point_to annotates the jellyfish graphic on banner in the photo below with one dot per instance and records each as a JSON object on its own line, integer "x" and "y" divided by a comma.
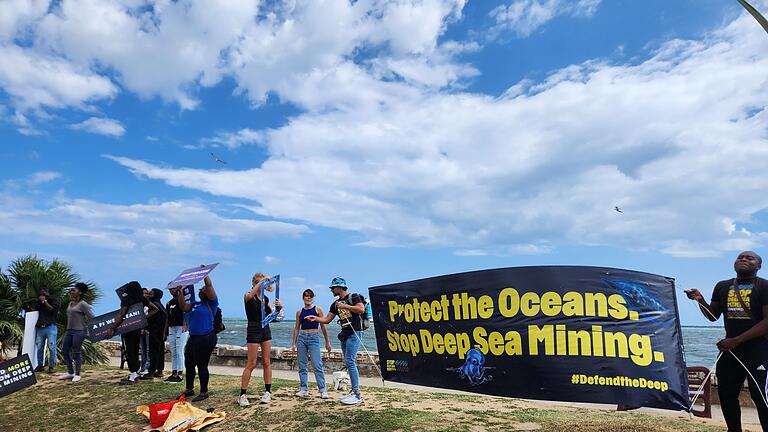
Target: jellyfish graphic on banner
{"x": 583, "y": 334}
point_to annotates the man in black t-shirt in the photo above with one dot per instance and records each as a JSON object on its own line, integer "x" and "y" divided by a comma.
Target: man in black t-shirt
{"x": 743, "y": 301}
{"x": 130, "y": 294}
{"x": 156, "y": 337}
{"x": 46, "y": 329}
{"x": 348, "y": 308}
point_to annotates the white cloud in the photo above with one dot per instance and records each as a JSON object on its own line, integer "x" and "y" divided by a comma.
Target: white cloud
{"x": 42, "y": 177}
{"x": 156, "y": 229}
{"x": 151, "y": 138}
{"x": 541, "y": 166}
{"x": 100, "y": 126}
{"x": 271, "y": 260}
{"x": 233, "y": 140}
{"x": 523, "y": 17}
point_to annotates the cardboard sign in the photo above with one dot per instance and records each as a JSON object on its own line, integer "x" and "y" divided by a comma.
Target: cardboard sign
{"x": 269, "y": 285}
{"x": 192, "y": 276}
{"x": 16, "y": 374}
{"x": 134, "y": 319}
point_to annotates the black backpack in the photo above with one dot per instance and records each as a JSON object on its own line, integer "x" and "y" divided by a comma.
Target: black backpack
{"x": 218, "y": 322}
{"x": 365, "y": 319}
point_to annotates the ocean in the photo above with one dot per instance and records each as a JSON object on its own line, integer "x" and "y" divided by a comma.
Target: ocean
{"x": 698, "y": 342}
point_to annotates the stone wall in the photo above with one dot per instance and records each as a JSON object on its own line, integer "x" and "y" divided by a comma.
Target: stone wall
{"x": 282, "y": 358}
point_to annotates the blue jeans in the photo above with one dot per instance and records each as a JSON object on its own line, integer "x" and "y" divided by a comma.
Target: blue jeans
{"x": 308, "y": 345}
{"x": 73, "y": 341}
{"x": 43, "y": 335}
{"x": 349, "y": 347}
{"x": 176, "y": 340}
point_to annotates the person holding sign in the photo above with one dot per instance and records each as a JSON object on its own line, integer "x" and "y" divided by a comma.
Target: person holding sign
{"x": 202, "y": 340}
{"x": 258, "y": 336}
{"x": 349, "y": 308}
{"x": 131, "y": 294}
{"x": 176, "y": 332}
{"x": 744, "y": 302}
{"x": 306, "y": 341}
{"x": 79, "y": 312}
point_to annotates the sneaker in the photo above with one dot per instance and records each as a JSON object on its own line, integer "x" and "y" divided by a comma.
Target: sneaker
{"x": 200, "y": 397}
{"x": 187, "y": 393}
{"x": 128, "y": 381}
{"x": 266, "y": 398}
{"x": 243, "y": 401}
{"x": 40, "y": 369}
{"x": 302, "y": 393}
{"x": 50, "y": 370}
{"x": 76, "y": 378}
{"x": 158, "y": 374}
{"x": 143, "y": 372}
{"x": 346, "y": 396}
{"x": 352, "y": 399}
{"x": 146, "y": 377}
{"x": 173, "y": 379}
{"x": 66, "y": 376}
{"x": 324, "y": 394}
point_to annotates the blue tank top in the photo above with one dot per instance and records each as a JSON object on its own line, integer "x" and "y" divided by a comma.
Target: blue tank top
{"x": 306, "y": 324}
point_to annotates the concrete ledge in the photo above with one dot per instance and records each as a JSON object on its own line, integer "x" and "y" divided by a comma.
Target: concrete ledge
{"x": 282, "y": 358}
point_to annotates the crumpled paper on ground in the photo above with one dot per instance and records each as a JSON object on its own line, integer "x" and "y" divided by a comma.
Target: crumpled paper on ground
{"x": 184, "y": 416}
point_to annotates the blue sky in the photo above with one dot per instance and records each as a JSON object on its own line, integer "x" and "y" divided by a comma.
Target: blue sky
{"x": 381, "y": 141}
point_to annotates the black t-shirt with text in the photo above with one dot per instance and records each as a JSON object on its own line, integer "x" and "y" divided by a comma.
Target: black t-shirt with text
{"x": 175, "y": 314}
{"x": 347, "y": 319}
{"x": 737, "y": 318}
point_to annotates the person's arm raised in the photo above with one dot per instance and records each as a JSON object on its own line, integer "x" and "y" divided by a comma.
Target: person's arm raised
{"x": 183, "y": 305}
{"x": 710, "y": 311}
{"x": 210, "y": 291}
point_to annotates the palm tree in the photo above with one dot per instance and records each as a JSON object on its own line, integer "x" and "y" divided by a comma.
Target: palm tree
{"x": 25, "y": 276}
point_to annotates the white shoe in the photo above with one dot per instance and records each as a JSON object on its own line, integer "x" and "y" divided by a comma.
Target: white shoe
{"x": 142, "y": 373}
{"x": 302, "y": 393}
{"x": 243, "y": 401}
{"x": 353, "y": 399}
{"x": 346, "y": 396}
{"x": 266, "y": 398}
{"x": 66, "y": 376}
{"x": 76, "y": 378}
{"x": 324, "y": 395}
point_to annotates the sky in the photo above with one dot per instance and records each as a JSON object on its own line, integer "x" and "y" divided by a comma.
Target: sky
{"x": 381, "y": 140}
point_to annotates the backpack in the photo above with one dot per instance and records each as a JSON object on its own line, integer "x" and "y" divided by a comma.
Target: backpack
{"x": 365, "y": 317}
{"x": 218, "y": 322}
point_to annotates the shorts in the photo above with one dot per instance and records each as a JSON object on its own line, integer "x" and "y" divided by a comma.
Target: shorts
{"x": 256, "y": 334}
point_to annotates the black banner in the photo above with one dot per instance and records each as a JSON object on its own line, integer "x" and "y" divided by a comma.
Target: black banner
{"x": 134, "y": 319}
{"x": 582, "y": 334}
{"x": 16, "y": 374}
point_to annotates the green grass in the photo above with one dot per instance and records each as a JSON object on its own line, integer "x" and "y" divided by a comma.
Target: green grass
{"x": 98, "y": 403}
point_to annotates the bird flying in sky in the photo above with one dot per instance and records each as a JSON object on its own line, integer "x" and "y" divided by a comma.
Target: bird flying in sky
{"x": 216, "y": 158}
{"x": 617, "y": 209}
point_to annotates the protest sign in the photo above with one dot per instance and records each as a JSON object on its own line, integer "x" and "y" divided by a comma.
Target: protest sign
{"x": 16, "y": 374}
{"x": 269, "y": 285}
{"x": 192, "y": 276}
{"x": 583, "y": 334}
{"x": 134, "y": 319}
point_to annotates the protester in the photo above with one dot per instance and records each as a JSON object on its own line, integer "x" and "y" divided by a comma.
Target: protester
{"x": 306, "y": 342}
{"x": 144, "y": 340}
{"x": 744, "y": 301}
{"x": 46, "y": 329}
{"x": 257, "y": 337}
{"x": 176, "y": 333}
{"x": 202, "y": 337}
{"x": 348, "y": 308}
{"x": 79, "y": 312}
{"x": 156, "y": 337}
{"x": 131, "y": 294}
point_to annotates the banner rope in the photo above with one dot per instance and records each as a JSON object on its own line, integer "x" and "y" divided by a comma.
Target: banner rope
{"x": 369, "y": 356}
{"x": 760, "y": 390}
{"x": 703, "y": 383}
